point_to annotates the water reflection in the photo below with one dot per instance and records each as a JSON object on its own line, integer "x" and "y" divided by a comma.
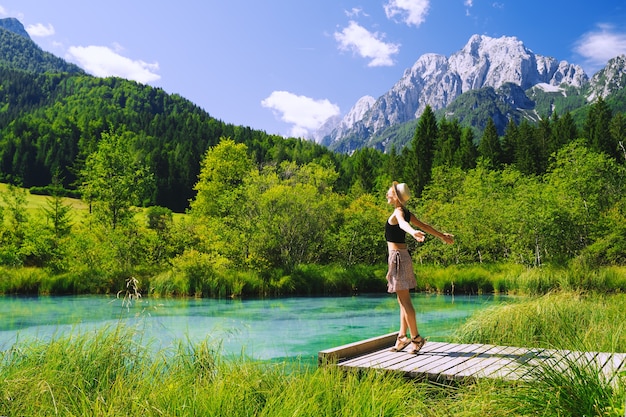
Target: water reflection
{"x": 263, "y": 329}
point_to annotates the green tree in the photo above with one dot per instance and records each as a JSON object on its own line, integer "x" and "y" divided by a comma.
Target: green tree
{"x": 467, "y": 152}
{"x": 421, "y": 152}
{"x": 221, "y": 209}
{"x": 292, "y": 220}
{"x": 57, "y": 212}
{"x": 509, "y": 142}
{"x": 220, "y": 183}
{"x": 367, "y": 162}
{"x": 359, "y": 238}
{"x": 114, "y": 180}
{"x": 528, "y": 156}
{"x": 448, "y": 143}
{"x": 564, "y": 131}
{"x": 14, "y": 225}
{"x": 489, "y": 147}
{"x": 292, "y": 226}
{"x": 586, "y": 185}
{"x": 597, "y": 128}
{"x": 618, "y": 132}
{"x": 542, "y": 144}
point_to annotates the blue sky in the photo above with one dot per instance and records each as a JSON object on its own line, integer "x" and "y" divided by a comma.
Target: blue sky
{"x": 285, "y": 66}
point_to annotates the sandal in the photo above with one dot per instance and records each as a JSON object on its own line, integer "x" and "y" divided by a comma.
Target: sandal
{"x": 401, "y": 343}
{"x": 419, "y": 342}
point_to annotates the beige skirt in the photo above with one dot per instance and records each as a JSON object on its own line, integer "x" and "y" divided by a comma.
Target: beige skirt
{"x": 400, "y": 275}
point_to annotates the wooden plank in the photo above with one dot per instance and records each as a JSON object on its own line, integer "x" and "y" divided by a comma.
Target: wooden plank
{"x": 351, "y": 350}
{"x": 501, "y": 362}
{"x": 483, "y": 360}
{"x": 385, "y": 359}
{"x": 449, "y": 361}
{"x": 478, "y": 360}
{"x": 525, "y": 368}
{"x": 379, "y": 359}
{"x": 431, "y": 352}
{"x": 395, "y": 361}
{"x": 611, "y": 363}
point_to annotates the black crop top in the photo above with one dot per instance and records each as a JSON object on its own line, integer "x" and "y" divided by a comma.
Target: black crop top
{"x": 393, "y": 232}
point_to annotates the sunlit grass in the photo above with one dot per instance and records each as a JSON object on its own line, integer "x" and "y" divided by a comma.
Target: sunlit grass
{"x": 35, "y": 203}
{"x": 113, "y": 372}
{"x": 108, "y": 373}
{"x": 515, "y": 279}
{"x": 568, "y": 320}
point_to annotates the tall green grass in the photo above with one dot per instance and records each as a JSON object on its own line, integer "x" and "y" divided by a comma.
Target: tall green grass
{"x": 108, "y": 373}
{"x": 114, "y": 372}
{"x": 196, "y": 274}
{"x": 517, "y": 279}
{"x": 567, "y": 320}
{"x": 563, "y": 320}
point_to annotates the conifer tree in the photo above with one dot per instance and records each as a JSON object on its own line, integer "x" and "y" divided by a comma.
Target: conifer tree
{"x": 489, "y": 147}
{"x": 564, "y": 131}
{"x": 527, "y": 158}
{"x": 618, "y": 131}
{"x": 543, "y": 138}
{"x": 597, "y": 131}
{"x": 394, "y": 163}
{"x": 447, "y": 144}
{"x": 467, "y": 152}
{"x": 421, "y": 152}
{"x": 509, "y": 142}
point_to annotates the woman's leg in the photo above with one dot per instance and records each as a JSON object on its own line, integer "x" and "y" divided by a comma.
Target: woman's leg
{"x": 407, "y": 313}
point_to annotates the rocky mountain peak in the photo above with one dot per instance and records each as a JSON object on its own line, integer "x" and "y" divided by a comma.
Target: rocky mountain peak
{"x": 609, "y": 79}
{"x": 436, "y": 80}
{"x": 13, "y": 25}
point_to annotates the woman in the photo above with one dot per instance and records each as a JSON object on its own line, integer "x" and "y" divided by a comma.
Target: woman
{"x": 400, "y": 277}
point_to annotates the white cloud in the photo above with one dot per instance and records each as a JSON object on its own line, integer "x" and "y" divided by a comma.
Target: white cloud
{"x": 468, "y": 5}
{"x": 3, "y": 11}
{"x": 102, "y": 61}
{"x": 40, "y": 30}
{"x": 355, "y": 12}
{"x": 304, "y": 113}
{"x": 357, "y": 39}
{"x": 412, "y": 12}
{"x": 597, "y": 47}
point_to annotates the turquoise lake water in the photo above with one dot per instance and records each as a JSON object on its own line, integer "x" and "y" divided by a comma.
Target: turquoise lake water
{"x": 266, "y": 329}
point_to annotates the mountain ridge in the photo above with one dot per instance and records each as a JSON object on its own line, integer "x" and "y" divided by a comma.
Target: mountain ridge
{"x": 18, "y": 50}
{"x": 13, "y": 25}
{"x": 437, "y": 81}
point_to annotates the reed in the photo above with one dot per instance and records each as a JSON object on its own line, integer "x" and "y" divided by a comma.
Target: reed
{"x": 581, "y": 390}
{"x": 564, "y": 320}
{"x": 517, "y": 279}
{"x": 21, "y": 280}
{"x": 108, "y": 373}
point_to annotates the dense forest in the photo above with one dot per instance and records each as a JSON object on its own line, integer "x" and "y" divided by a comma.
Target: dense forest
{"x": 194, "y": 205}
{"x": 50, "y": 123}
{"x": 266, "y": 212}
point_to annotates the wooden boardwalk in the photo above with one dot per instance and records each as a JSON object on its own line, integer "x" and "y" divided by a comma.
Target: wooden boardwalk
{"x": 441, "y": 361}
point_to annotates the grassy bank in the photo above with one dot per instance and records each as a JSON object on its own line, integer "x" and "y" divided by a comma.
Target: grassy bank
{"x": 112, "y": 372}
{"x": 561, "y": 320}
{"x": 194, "y": 275}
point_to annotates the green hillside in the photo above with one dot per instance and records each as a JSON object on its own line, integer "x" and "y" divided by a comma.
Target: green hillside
{"x": 52, "y": 116}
